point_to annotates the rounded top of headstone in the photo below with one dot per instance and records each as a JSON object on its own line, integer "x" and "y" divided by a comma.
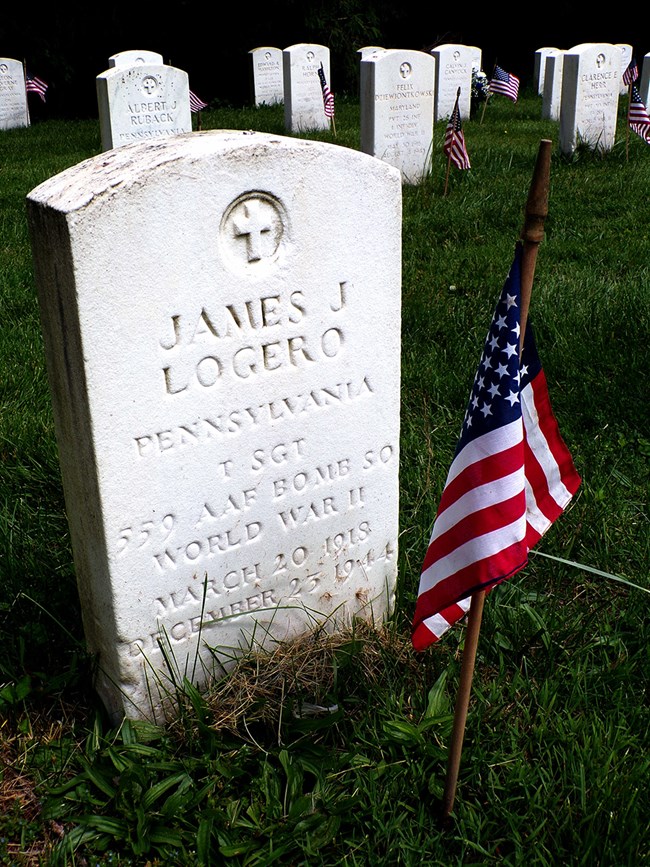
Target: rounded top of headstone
{"x": 102, "y": 176}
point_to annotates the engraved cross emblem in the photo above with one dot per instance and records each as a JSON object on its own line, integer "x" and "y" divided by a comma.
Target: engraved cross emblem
{"x": 252, "y": 225}
{"x": 149, "y": 85}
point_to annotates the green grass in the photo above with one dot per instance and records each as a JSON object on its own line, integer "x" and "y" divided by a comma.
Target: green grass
{"x": 555, "y": 768}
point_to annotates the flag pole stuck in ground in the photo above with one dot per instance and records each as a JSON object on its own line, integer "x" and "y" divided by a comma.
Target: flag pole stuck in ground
{"x": 510, "y": 478}
{"x": 454, "y": 146}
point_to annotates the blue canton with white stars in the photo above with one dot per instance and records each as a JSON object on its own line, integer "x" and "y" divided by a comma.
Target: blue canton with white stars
{"x": 495, "y": 397}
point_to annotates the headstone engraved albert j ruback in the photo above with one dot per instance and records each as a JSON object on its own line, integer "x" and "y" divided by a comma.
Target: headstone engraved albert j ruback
{"x": 303, "y": 95}
{"x": 13, "y": 97}
{"x": 134, "y": 58}
{"x": 268, "y": 87}
{"x": 591, "y": 77}
{"x": 626, "y": 58}
{"x": 397, "y": 110}
{"x": 228, "y": 430}
{"x": 145, "y": 101}
{"x": 454, "y": 70}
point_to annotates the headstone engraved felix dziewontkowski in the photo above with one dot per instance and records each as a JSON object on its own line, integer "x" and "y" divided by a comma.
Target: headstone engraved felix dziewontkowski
{"x": 221, "y": 318}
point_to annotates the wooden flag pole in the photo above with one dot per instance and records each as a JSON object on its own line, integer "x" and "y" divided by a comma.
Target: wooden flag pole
{"x": 333, "y": 125}
{"x": 532, "y": 234}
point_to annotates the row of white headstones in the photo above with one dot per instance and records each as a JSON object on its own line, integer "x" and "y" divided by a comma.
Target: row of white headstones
{"x": 402, "y": 94}
{"x": 221, "y": 320}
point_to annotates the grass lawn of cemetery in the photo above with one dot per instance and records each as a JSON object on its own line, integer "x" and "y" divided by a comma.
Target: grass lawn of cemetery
{"x": 556, "y": 768}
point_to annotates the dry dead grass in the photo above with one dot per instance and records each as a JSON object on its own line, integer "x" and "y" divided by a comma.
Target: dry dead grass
{"x": 301, "y": 675}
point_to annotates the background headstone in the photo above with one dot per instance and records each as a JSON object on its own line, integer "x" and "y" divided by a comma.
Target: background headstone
{"x": 147, "y": 101}
{"x": 13, "y": 96}
{"x": 268, "y": 87}
{"x": 539, "y": 69}
{"x": 454, "y": 64}
{"x": 644, "y": 85}
{"x": 303, "y": 96}
{"x": 368, "y": 50}
{"x": 591, "y": 77}
{"x": 552, "y": 86}
{"x": 228, "y": 432}
{"x": 134, "y": 58}
{"x": 397, "y": 110}
{"x": 626, "y": 58}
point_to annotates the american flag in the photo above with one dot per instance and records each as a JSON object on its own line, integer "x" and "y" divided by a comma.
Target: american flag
{"x": 328, "y": 96}
{"x": 454, "y": 146}
{"x": 510, "y": 478}
{"x": 33, "y": 84}
{"x": 631, "y": 73}
{"x": 196, "y": 103}
{"x": 638, "y": 117}
{"x": 505, "y": 83}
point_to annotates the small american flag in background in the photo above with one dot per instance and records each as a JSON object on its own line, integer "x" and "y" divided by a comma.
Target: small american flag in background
{"x": 631, "y": 73}
{"x": 510, "y": 478}
{"x": 638, "y": 117}
{"x": 328, "y": 96}
{"x": 505, "y": 83}
{"x": 33, "y": 84}
{"x": 454, "y": 146}
{"x": 196, "y": 104}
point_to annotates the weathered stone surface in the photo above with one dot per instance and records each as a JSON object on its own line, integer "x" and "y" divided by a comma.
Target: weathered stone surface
{"x": 142, "y": 102}
{"x": 223, "y": 355}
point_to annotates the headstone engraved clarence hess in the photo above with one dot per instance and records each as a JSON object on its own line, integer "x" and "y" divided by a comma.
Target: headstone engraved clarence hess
{"x": 13, "y": 96}
{"x": 591, "y": 78}
{"x": 223, "y": 357}
{"x": 144, "y": 101}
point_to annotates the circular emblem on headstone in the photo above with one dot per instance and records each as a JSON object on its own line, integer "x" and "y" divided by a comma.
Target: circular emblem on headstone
{"x": 253, "y": 233}
{"x": 139, "y": 59}
{"x": 405, "y": 70}
{"x": 310, "y": 56}
{"x": 3, "y": 67}
{"x": 267, "y": 55}
{"x": 456, "y": 56}
{"x": 149, "y": 85}
{"x": 600, "y": 60}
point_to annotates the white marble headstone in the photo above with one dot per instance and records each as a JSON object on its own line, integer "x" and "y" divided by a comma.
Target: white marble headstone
{"x": 552, "y": 86}
{"x": 134, "y": 57}
{"x": 539, "y": 71}
{"x": 644, "y": 82}
{"x": 13, "y": 96}
{"x": 146, "y": 101}
{"x": 303, "y": 95}
{"x": 268, "y": 86}
{"x": 454, "y": 64}
{"x": 397, "y": 110}
{"x": 224, "y": 361}
{"x": 367, "y": 50}
{"x": 591, "y": 79}
{"x": 626, "y": 58}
